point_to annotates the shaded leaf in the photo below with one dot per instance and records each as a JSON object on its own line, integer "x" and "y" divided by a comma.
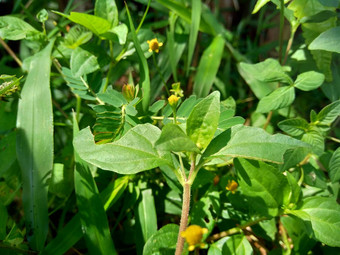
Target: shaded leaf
{"x": 334, "y": 166}
{"x": 328, "y": 41}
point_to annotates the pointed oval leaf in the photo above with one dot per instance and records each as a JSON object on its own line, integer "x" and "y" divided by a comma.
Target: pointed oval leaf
{"x": 203, "y": 120}
{"x": 96, "y": 24}
{"x": 255, "y": 143}
{"x": 329, "y": 113}
{"x": 309, "y": 80}
{"x": 174, "y": 139}
{"x": 107, "y": 9}
{"x": 323, "y": 214}
{"x": 279, "y": 98}
{"x": 13, "y": 28}
{"x": 334, "y": 166}
{"x": 237, "y": 244}
{"x": 133, "y": 153}
{"x": 263, "y": 185}
{"x": 83, "y": 62}
{"x": 294, "y": 127}
{"x": 328, "y": 41}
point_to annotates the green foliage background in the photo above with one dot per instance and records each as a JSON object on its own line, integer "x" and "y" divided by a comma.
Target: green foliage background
{"x": 94, "y": 160}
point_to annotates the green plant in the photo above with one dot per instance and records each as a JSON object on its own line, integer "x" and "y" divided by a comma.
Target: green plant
{"x": 128, "y": 141}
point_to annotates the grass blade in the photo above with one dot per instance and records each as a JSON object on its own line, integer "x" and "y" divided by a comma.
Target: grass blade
{"x": 194, "y": 27}
{"x": 144, "y": 69}
{"x": 35, "y": 145}
{"x": 208, "y": 67}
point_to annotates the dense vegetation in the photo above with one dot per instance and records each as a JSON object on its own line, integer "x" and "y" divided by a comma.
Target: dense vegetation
{"x": 169, "y": 127}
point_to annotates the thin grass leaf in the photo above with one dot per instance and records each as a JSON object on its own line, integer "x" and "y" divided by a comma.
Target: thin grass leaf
{"x": 194, "y": 27}
{"x": 144, "y": 69}
{"x": 35, "y": 145}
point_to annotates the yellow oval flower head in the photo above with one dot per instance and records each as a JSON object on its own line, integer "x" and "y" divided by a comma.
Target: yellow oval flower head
{"x": 232, "y": 186}
{"x": 173, "y": 100}
{"x": 193, "y": 235}
{"x": 154, "y": 45}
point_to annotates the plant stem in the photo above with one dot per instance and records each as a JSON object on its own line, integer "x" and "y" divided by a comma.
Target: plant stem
{"x": 184, "y": 217}
{"x": 10, "y": 52}
{"x": 269, "y": 117}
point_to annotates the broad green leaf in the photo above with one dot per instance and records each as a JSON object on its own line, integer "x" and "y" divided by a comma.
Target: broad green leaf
{"x": 263, "y": 77}
{"x": 216, "y": 247}
{"x": 279, "y": 98}
{"x": 294, "y": 127}
{"x": 146, "y": 218}
{"x": 293, "y": 157}
{"x": 295, "y": 193}
{"x": 13, "y": 28}
{"x": 117, "y": 34}
{"x": 263, "y": 185}
{"x": 315, "y": 138}
{"x": 163, "y": 241}
{"x": 334, "y": 166}
{"x": 194, "y": 26}
{"x": 323, "y": 215}
{"x": 133, "y": 153}
{"x": 259, "y": 4}
{"x": 329, "y": 113}
{"x": 318, "y": 17}
{"x": 91, "y": 209}
{"x": 203, "y": 120}
{"x": 144, "y": 81}
{"x": 201, "y": 215}
{"x": 35, "y": 145}
{"x": 309, "y": 80}
{"x": 72, "y": 232}
{"x": 298, "y": 233}
{"x": 174, "y": 139}
{"x": 255, "y": 143}
{"x": 107, "y": 9}
{"x": 328, "y": 41}
{"x": 96, "y": 24}
{"x": 83, "y": 62}
{"x": 237, "y": 244}
{"x": 208, "y": 67}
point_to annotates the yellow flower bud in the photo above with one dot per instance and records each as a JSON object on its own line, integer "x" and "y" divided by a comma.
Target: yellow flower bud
{"x": 193, "y": 235}
{"x": 173, "y": 100}
{"x": 128, "y": 92}
{"x": 154, "y": 45}
{"x": 232, "y": 186}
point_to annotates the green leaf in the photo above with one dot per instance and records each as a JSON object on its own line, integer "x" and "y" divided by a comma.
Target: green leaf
{"x": 194, "y": 26}
{"x": 174, "y": 139}
{"x": 279, "y": 98}
{"x": 328, "y": 41}
{"x": 255, "y": 143}
{"x": 109, "y": 123}
{"x": 35, "y": 145}
{"x": 298, "y": 233}
{"x": 117, "y": 34}
{"x": 294, "y": 127}
{"x": 3, "y": 221}
{"x": 259, "y": 4}
{"x": 7, "y": 152}
{"x": 203, "y": 120}
{"x": 318, "y": 17}
{"x": 295, "y": 193}
{"x": 146, "y": 220}
{"x": 208, "y": 67}
{"x": 263, "y": 185}
{"x": 77, "y": 36}
{"x": 112, "y": 97}
{"x": 329, "y": 113}
{"x": 309, "y": 80}
{"x": 61, "y": 183}
{"x": 91, "y": 209}
{"x": 133, "y": 153}
{"x": 315, "y": 138}
{"x": 163, "y": 241}
{"x": 143, "y": 65}
{"x": 237, "y": 244}
{"x": 107, "y": 9}
{"x": 83, "y": 62}
{"x": 334, "y": 166}
{"x": 262, "y": 77}
{"x": 96, "y": 24}
{"x": 323, "y": 215}
{"x": 13, "y": 28}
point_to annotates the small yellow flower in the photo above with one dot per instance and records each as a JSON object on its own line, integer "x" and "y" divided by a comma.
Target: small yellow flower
{"x": 232, "y": 186}
{"x": 193, "y": 235}
{"x": 173, "y": 100}
{"x": 154, "y": 45}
